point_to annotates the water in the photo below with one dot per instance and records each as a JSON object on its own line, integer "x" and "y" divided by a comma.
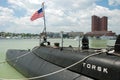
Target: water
{"x": 6, "y": 71}
{"x": 93, "y": 43}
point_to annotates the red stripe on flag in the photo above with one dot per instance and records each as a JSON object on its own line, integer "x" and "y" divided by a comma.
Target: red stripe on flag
{"x": 37, "y": 15}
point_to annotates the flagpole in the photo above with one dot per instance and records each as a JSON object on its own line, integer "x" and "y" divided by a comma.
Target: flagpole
{"x": 44, "y": 20}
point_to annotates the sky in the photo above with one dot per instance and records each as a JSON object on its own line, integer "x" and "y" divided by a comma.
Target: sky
{"x": 61, "y": 15}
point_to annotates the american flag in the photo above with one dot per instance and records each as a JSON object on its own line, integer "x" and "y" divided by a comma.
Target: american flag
{"x": 37, "y": 14}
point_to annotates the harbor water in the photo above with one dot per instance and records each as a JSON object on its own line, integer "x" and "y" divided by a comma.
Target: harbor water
{"x": 8, "y": 72}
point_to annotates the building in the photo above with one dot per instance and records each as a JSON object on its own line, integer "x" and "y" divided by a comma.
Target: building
{"x": 99, "y": 24}
{"x": 74, "y": 34}
{"x": 100, "y": 27}
{"x": 104, "y": 23}
{"x": 95, "y": 23}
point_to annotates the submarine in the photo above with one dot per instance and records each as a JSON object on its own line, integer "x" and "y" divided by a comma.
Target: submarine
{"x": 45, "y": 62}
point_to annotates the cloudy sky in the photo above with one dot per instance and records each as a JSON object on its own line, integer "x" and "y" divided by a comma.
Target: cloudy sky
{"x": 61, "y": 15}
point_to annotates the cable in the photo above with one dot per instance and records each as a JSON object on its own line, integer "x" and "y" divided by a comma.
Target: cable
{"x": 58, "y": 71}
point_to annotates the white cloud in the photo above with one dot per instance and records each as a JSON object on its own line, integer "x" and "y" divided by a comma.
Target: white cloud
{"x": 100, "y": 11}
{"x": 6, "y": 11}
{"x": 114, "y": 2}
{"x": 66, "y": 15}
{"x": 6, "y": 16}
{"x": 34, "y": 1}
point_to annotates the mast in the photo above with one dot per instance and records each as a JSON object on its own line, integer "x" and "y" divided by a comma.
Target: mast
{"x": 44, "y": 33}
{"x": 44, "y": 30}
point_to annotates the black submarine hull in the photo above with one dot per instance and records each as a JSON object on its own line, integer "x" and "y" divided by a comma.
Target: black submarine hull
{"x": 45, "y": 60}
{"x": 32, "y": 65}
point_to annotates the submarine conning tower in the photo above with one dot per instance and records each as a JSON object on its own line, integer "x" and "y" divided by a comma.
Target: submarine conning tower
{"x": 117, "y": 45}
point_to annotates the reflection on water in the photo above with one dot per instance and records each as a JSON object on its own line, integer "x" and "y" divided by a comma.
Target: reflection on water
{"x": 6, "y": 71}
{"x": 98, "y": 43}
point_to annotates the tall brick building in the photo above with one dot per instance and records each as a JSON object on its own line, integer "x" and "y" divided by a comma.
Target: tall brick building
{"x": 99, "y": 27}
{"x": 99, "y": 24}
{"x": 104, "y": 23}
